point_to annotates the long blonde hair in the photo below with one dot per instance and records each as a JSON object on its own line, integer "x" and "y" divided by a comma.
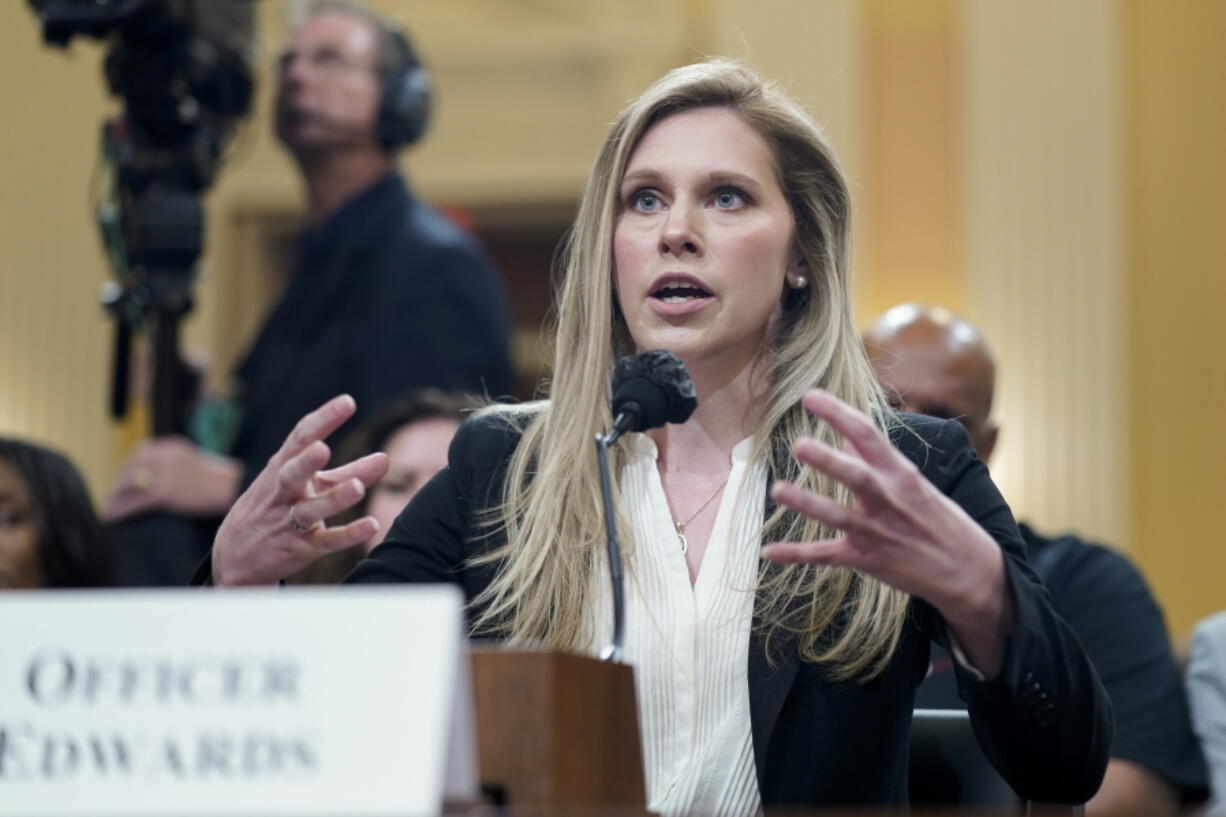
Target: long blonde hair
{"x": 551, "y": 509}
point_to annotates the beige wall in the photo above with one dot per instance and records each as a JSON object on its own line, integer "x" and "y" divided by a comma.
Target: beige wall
{"x": 1044, "y": 252}
{"x": 1176, "y": 223}
{"x": 1053, "y": 170}
{"x": 911, "y": 203}
{"x": 53, "y": 337}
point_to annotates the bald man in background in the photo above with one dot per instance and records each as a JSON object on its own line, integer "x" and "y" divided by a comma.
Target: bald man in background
{"x": 932, "y": 362}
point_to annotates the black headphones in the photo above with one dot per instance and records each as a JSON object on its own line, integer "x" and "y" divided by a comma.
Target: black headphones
{"x": 404, "y": 106}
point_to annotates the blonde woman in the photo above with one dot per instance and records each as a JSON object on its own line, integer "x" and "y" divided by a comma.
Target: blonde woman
{"x": 715, "y": 225}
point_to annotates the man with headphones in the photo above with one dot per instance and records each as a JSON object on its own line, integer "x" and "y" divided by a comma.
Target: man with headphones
{"x": 350, "y": 93}
{"x": 386, "y": 295}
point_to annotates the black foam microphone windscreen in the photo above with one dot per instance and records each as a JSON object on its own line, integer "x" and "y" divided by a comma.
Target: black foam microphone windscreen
{"x": 651, "y": 389}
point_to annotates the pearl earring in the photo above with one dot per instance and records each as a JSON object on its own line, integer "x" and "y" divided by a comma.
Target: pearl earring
{"x": 801, "y": 282}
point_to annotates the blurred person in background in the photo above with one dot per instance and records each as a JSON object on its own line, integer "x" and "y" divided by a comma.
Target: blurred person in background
{"x": 932, "y": 362}
{"x": 1206, "y": 684}
{"x": 386, "y": 294}
{"x": 49, "y": 535}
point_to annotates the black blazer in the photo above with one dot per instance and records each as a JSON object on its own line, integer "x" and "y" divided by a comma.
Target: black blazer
{"x": 1044, "y": 720}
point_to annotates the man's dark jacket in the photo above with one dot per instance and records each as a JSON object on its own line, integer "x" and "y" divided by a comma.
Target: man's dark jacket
{"x": 385, "y": 297}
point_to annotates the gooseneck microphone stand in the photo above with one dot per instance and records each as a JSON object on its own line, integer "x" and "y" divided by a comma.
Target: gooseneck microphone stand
{"x": 649, "y": 390}
{"x": 629, "y": 419}
{"x": 613, "y": 652}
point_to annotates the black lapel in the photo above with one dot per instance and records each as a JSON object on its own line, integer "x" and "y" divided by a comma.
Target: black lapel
{"x": 770, "y": 680}
{"x": 769, "y": 685}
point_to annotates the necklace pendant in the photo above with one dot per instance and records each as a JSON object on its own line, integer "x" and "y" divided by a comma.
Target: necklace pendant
{"x": 685, "y": 544}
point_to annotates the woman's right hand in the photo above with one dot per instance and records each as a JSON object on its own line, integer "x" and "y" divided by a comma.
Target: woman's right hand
{"x": 277, "y": 526}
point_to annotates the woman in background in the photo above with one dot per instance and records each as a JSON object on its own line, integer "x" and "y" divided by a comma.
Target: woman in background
{"x": 49, "y": 534}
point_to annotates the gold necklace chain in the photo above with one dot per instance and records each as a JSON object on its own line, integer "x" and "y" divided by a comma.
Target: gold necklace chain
{"x": 685, "y": 543}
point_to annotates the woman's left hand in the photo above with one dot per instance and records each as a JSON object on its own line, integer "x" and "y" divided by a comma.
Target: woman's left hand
{"x": 901, "y": 530}
{"x": 277, "y": 526}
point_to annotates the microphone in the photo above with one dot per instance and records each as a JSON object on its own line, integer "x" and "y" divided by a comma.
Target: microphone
{"x": 649, "y": 390}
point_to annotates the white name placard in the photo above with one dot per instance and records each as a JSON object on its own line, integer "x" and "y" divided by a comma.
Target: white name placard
{"x": 301, "y": 702}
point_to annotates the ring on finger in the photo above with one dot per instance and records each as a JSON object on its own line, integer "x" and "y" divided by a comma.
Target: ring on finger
{"x": 298, "y": 526}
{"x": 142, "y": 478}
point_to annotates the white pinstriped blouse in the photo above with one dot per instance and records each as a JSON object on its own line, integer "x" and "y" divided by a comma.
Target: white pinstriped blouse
{"x": 690, "y": 645}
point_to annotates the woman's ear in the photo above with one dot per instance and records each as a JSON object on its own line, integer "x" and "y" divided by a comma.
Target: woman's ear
{"x": 797, "y": 275}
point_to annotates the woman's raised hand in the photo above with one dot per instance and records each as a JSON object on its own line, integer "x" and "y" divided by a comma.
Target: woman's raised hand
{"x": 277, "y": 526}
{"x": 900, "y": 530}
